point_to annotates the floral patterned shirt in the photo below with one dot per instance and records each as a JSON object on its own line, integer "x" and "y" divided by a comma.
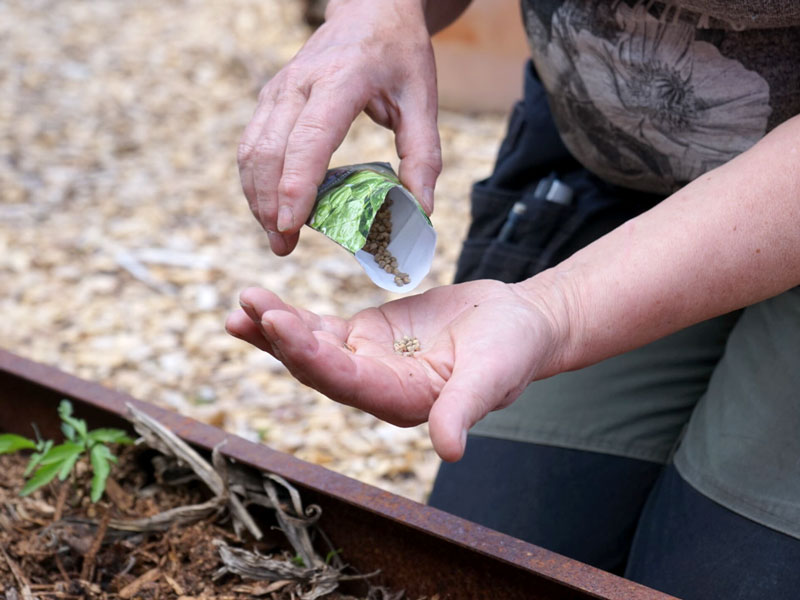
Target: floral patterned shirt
{"x": 650, "y": 94}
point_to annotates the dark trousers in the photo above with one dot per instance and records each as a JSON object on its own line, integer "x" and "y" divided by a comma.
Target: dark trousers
{"x": 628, "y": 516}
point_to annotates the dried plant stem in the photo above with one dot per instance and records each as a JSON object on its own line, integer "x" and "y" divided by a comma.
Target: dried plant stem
{"x": 87, "y": 570}
{"x": 22, "y": 582}
{"x": 61, "y": 500}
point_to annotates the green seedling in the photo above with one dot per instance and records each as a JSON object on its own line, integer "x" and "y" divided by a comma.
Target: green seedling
{"x": 331, "y": 555}
{"x": 298, "y": 560}
{"x": 50, "y": 460}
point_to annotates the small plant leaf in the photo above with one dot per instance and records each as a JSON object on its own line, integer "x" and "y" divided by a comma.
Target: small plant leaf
{"x": 65, "y": 412}
{"x": 36, "y": 457}
{"x": 60, "y": 453}
{"x": 109, "y": 436}
{"x": 68, "y": 431}
{"x": 298, "y": 560}
{"x": 42, "y": 477}
{"x": 67, "y": 465}
{"x": 101, "y": 458}
{"x": 10, "y": 442}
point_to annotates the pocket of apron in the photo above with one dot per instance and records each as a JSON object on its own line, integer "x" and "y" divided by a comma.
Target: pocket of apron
{"x": 548, "y": 232}
{"x": 528, "y": 248}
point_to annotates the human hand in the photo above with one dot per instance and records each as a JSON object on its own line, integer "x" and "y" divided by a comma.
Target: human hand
{"x": 370, "y": 56}
{"x": 481, "y": 343}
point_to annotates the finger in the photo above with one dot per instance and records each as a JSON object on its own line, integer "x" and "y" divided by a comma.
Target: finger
{"x": 247, "y": 144}
{"x": 261, "y": 152}
{"x": 241, "y": 326}
{"x": 257, "y": 301}
{"x": 317, "y": 133}
{"x": 304, "y": 354}
{"x": 269, "y": 153}
{"x": 465, "y": 399}
{"x": 366, "y": 383}
{"x": 419, "y": 146}
{"x": 282, "y": 244}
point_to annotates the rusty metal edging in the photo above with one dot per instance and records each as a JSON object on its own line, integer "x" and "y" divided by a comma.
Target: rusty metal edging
{"x": 550, "y": 566}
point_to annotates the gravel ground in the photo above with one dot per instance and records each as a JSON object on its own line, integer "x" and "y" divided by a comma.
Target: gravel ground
{"x": 125, "y": 238}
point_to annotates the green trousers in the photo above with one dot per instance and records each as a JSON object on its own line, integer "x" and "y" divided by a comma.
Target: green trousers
{"x": 720, "y": 399}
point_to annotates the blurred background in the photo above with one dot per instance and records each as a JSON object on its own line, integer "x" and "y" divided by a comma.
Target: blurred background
{"x": 125, "y": 237}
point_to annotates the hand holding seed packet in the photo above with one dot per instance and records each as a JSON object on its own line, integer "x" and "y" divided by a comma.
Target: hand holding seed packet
{"x": 374, "y": 57}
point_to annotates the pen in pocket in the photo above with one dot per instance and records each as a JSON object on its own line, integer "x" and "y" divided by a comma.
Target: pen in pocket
{"x": 549, "y": 189}
{"x": 510, "y": 224}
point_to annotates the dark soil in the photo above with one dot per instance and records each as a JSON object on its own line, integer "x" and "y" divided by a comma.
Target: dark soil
{"x": 53, "y": 541}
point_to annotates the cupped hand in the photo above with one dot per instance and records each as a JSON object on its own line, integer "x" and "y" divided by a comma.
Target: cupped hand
{"x": 368, "y": 56}
{"x": 481, "y": 343}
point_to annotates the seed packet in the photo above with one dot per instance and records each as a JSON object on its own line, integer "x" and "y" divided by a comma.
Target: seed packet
{"x": 348, "y": 202}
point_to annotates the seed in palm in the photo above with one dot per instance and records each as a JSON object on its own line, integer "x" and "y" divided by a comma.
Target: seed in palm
{"x": 406, "y": 346}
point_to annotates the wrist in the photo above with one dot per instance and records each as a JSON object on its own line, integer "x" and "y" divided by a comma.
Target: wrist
{"x": 552, "y": 295}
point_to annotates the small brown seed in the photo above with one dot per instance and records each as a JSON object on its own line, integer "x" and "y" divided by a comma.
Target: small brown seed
{"x": 407, "y": 346}
{"x": 377, "y": 241}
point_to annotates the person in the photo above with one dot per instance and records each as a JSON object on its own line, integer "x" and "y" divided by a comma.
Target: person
{"x": 627, "y": 357}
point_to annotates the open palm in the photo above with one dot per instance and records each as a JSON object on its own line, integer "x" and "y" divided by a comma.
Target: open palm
{"x": 481, "y": 343}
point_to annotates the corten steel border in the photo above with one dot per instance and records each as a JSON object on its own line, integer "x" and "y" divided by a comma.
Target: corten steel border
{"x": 418, "y": 548}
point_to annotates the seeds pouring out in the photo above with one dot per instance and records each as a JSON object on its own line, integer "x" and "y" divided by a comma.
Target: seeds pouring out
{"x": 378, "y": 239}
{"x": 366, "y": 209}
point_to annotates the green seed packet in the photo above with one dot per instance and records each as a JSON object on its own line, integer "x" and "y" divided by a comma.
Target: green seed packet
{"x": 346, "y": 205}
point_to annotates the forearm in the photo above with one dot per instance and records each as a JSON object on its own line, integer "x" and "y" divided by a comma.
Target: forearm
{"x": 727, "y": 240}
{"x": 438, "y": 13}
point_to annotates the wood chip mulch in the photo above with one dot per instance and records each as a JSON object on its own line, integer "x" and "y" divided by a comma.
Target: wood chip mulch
{"x": 125, "y": 238}
{"x": 51, "y": 546}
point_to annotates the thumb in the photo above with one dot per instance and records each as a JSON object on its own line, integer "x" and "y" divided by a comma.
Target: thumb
{"x": 466, "y": 398}
{"x": 419, "y": 147}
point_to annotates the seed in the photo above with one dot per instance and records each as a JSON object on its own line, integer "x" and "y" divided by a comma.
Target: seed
{"x": 407, "y": 346}
{"x": 377, "y": 241}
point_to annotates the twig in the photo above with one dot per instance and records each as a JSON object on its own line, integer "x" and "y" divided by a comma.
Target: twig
{"x": 162, "y": 439}
{"x": 130, "y": 590}
{"x": 87, "y": 570}
{"x": 21, "y": 581}
{"x": 61, "y": 570}
{"x": 322, "y": 580}
{"x": 61, "y": 500}
{"x": 132, "y": 265}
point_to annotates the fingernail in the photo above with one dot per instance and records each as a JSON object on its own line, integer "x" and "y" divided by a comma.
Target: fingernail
{"x": 231, "y": 333}
{"x": 285, "y": 218}
{"x": 244, "y": 304}
{"x": 463, "y": 439}
{"x": 269, "y": 330}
